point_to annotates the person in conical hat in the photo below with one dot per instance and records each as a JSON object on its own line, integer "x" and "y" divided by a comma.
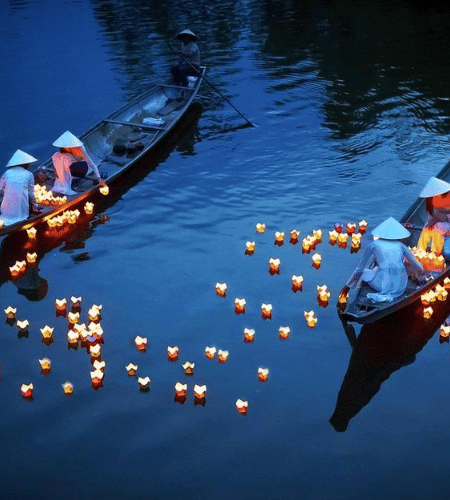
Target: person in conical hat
{"x": 386, "y": 263}
{"x": 437, "y": 226}
{"x": 71, "y": 161}
{"x": 189, "y": 55}
{"x": 17, "y": 185}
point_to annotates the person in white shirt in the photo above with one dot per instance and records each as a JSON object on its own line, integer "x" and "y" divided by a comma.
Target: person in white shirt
{"x": 71, "y": 161}
{"x": 189, "y": 64}
{"x": 17, "y": 185}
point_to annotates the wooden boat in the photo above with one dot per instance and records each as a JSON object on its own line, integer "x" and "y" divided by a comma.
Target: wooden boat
{"x": 364, "y": 310}
{"x": 116, "y": 144}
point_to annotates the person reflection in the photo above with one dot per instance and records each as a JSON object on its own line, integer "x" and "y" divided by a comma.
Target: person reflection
{"x": 381, "y": 349}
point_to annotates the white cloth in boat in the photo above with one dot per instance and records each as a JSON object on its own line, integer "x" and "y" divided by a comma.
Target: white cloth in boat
{"x": 17, "y": 185}
{"x": 62, "y": 162}
{"x": 383, "y": 268}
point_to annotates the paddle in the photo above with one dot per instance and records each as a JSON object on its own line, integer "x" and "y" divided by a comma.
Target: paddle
{"x": 211, "y": 85}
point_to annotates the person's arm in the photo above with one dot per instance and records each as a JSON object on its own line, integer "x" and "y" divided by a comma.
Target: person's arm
{"x": 416, "y": 267}
{"x": 31, "y": 196}
{"x": 363, "y": 263}
{"x": 93, "y": 166}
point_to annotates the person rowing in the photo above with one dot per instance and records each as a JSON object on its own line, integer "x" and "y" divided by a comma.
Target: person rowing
{"x": 189, "y": 55}
{"x": 17, "y": 185}
{"x": 71, "y": 161}
{"x": 386, "y": 263}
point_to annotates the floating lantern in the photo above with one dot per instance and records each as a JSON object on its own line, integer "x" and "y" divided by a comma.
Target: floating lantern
{"x": 266, "y": 311}
{"x": 274, "y": 266}
{"x": 61, "y": 304}
{"x": 31, "y": 233}
{"x": 94, "y": 313}
{"x": 310, "y": 318}
{"x": 338, "y": 227}
{"x": 210, "y": 352}
{"x": 249, "y": 335}
{"x": 99, "y": 365}
{"x": 67, "y": 388}
{"x": 144, "y": 383}
{"x": 199, "y": 391}
{"x": 131, "y": 369}
{"x": 73, "y": 337}
{"x": 180, "y": 389}
{"x": 172, "y": 353}
{"x": 333, "y": 236}
{"x": 221, "y": 289}
{"x": 263, "y": 374}
{"x": 306, "y": 245}
{"x": 323, "y": 294}
{"x": 140, "y": 342}
{"x": 223, "y": 356}
{"x": 27, "y": 390}
{"x": 279, "y": 237}
{"x": 75, "y": 302}
{"x": 342, "y": 299}
{"x": 22, "y": 326}
{"x": 362, "y": 226}
{"x": 284, "y": 332}
{"x": 95, "y": 351}
{"x": 249, "y": 247}
{"x": 356, "y": 241}
{"x": 31, "y": 257}
{"x": 239, "y": 306}
{"x": 427, "y": 312}
{"x": 297, "y": 282}
{"x": 188, "y": 368}
{"x": 10, "y": 312}
{"x": 15, "y": 270}
{"x": 46, "y": 365}
{"x": 317, "y": 234}
{"x": 104, "y": 190}
{"x": 242, "y": 406}
{"x": 351, "y": 228}
{"x": 73, "y": 317}
{"x": 260, "y": 228}
{"x": 89, "y": 207}
{"x": 342, "y": 238}
{"x": 446, "y": 283}
{"x": 294, "y": 236}
{"x": 443, "y": 296}
{"x": 97, "y": 377}
{"x": 316, "y": 260}
{"x": 444, "y": 333}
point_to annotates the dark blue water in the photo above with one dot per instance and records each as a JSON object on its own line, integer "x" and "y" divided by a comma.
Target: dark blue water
{"x": 352, "y": 109}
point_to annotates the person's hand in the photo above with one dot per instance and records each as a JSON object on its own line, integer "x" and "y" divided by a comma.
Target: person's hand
{"x": 102, "y": 182}
{"x": 344, "y": 290}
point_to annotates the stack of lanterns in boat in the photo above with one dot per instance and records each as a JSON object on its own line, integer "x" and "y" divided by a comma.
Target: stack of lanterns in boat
{"x": 45, "y": 197}
{"x": 429, "y": 260}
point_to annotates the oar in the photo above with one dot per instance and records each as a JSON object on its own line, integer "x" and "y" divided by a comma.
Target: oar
{"x": 211, "y": 85}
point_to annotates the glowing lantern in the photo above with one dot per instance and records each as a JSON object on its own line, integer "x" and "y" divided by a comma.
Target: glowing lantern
{"x": 73, "y": 317}
{"x": 351, "y": 228}
{"x": 223, "y": 356}
{"x": 221, "y": 289}
{"x": 323, "y": 294}
{"x": 239, "y": 305}
{"x": 172, "y": 353}
{"x": 338, "y": 227}
{"x": 95, "y": 351}
{"x": 46, "y": 365}
{"x": 61, "y": 304}
{"x": 199, "y": 391}
{"x": 140, "y": 342}
{"x": 180, "y": 389}
{"x": 89, "y": 207}
{"x": 10, "y": 312}
{"x": 31, "y": 233}
{"x": 210, "y": 352}
{"x": 131, "y": 369}
{"x": 317, "y": 234}
{"x": 99, "y": 365}
{"x": 362, "y": 226}
{"x": 427, "y": 312}
{"x": 343, "y": 298}
{"x": 15, "y": 270}
{"x": 310, "y": 318}
{"x": 284, "y": 332}
{"x": 67, "y": 388}
{"x": 316, "y": 260}
{"x": 342, "y": 238}
{"x": 73, "y": 337}
{"x": 76, "y": 302}
{"x": 27, "y": 390}
{"x": 444, "y": 332}
{"x": 263, "y": 374}
{"x": 144, "y": 383}
{"x": 249, "y": 335}
{"x": 31, "y": 257}
{"x": 188, "y": 368}
{"x": 306, "y": 245}
{"x": 446, "y": 283}
{"x": 22, "y": 326}
{"x": 294, "y": 236}
{"x": 97, "y": 376}
{"x": 333, "y": 236}
{"x": 297, "y": 282}
{"x": 242, "y": 406}
{"x": 249, "y": 247}
{"x": 356, "y": 240}
{"x": 104, "y": 190}
{"x": 260, "y": 228}
{"x": 266, "y": 311}
{"x": 94, "y": 313}
{"x": 279, "y": 237}
{"x": 274, "y": 266}
{"x": 425, "y": 298}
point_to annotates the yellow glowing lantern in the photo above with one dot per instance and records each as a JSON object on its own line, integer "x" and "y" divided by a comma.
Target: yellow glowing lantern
{"x": 356, "y": 240}
{"x": 351, "y": 228}
{"x": 22, "y": 326}
{"x": 266, "y": 311}
{"x": 104, "y": 190}
{"x": 73, "y": 337}
{"x": 144, "y": 383}
{"x": 15, "y": 270}
{"x": 427, "y": 312}
{"x": 242, "y": 406}
{"x": 188, "y": 368}
{"x": 239, "y": 305}
{"x": 297, "y": 282}
{"x": 53, "y": 222}
{"x": 10, "y": 312}
{"x": 446, "y": 283}
{"x": 140, "y": 342}
{"x": 73, "y": 317}
{"x": 343, "y": 298}
{"x": 250, "y": 246}
{"x": 263, "y": 374}
{"x": 97, "y": 376}
{"x": 323, "y": 294}
{"x": 333, "y": 236}
{"x": 310, "y": 318}
{"x": 443, "y": 295}
{"x": 223, "y": 356}
{"x": 362, "y": 226}
{"x": 317, "y": 234}
{"x": 306, "y": 245}
{"x": 95, "y": 351}
{"x": 249, "y": 334}
{"x": 199, "y": 391}
{"x": 67, "y": 388}
{"x": 260, "y": 228}
{"x": 99, "y": 365}
{"x": 27, "y": 390}
{"x": 279, "y": 236}
{"x": 76, "y": 302}
{"x": 425, "y": 298}
{"x": 342, "y": 238}
{"x": 284, "y": 332}
{"x": 31, "y": 233}
{"x": 61, "y": 304}
{"x": 46, "y": 364}
{"x": 221, "y": 289}
{"x": 274, "y": 266}
{"x": 94, "y": 313}
{"x": 131, "y": 369}
{"x": 294, "y": 235}
{"x": 316, "y": 260}
{"x": 31, "y": 257}
{"x": 444, "y": 331}
{"x": 72, "y": 218}
{"x": 210, "y": 352}
{"x": 89, "y": 207}
{"x": 180, "y": 389}
{"x": 172, "y": 352}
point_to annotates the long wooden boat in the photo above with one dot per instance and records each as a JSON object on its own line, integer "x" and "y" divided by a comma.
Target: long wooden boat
{"x": 361, "y": 309}
{"x": 116, "y": 144}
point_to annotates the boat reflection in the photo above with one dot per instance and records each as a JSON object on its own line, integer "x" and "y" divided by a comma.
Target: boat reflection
{"x": 380, "y": 349}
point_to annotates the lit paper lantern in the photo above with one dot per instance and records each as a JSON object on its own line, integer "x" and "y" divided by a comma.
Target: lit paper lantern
{"x": 297, "y": 282}
{"x": 67, "y": 388}
{"x": 89, "y": 207}
{"x": 61, "y": 304}
{"x": 94, "y": 313}
{"x": 323, "y": 294}
{"x": 343, "y": 298}
{"x": 99, "y": 365}
{"x": 427, "y": 312}
{"x": 342, "y": 237}
{"x": 317, "y": 234}
{"x": 284, "y": 332}
{"x": 15, "y": 270}
{"x": 46, "y": 365}
{"x": 95, "y": 351}
{"x": 140, "y": 342}
{"x": 31, "y": 233}
{"x": 75, "y": 302}
{"x": 263, "y": 374}
{"x": 10, "y": 312}
{"x": 223, "y": 356}
{"x": 266, "y": 311}
{"x": 351, "y": 228}
{"x": 131, "y": 369}
{"x": 316, "y": 260}
{"x": 279, "y": 236}
{"x": 104, "y": 190}
{"x": 73, "y": 317}
{"x": 362, "y": 226}
{"x": 239, "y": 305}
{"x": 241, "y": 406}
{"x": 31, "y": 257}
{"x": 22, "y": 326}
{"x": 294, "y": 236}
{"x": 199, "y": 391}
{"x": 97, "y": 376}
{"x": 188, "y": 368}
{"x": 310, "y": 318}
{"x": 333, "y": 236}
{"x": 180, "y": 389}
{"x": 260, "y": 228}
{"x": 73, "y": 337}
{"x": 172, "y": 353}
{"x": 250, "y": 247}
{"x": 27, "y": 390}
{"x": 249, "y": 335}
{"x": 446, "y": 283}
{"x": 274, "y": 266}
{"x": 210, "y": 352}
{"x": 444, "y": 332}
{"x": 221, "y": 289}
{"x": 338, "y": 227}
{"x": 144, "y": 383}
{"x": 306, "y": 245}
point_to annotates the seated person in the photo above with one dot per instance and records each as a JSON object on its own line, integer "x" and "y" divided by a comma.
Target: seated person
{"x": 17, "y": 185}
{"x": 386, "y": 263}
{"x": 437, "y": 227}
{"x": 189, "y": 64}
{"x": 71, "y": 161}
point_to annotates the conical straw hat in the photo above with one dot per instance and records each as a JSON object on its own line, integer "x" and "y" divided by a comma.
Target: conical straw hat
{"x": 20, "y": 158}
{"x": 67, "y": 140}
{"x": 434, "y": 187}
{"x": 390, "y": 229}
{"x": 187, "y": 33}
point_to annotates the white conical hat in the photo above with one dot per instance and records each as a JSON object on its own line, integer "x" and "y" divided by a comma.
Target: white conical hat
{"x": 434, "y": 187}
{"x": 390, "y": 229}
{"x": 67, "y": 140}
{"x": 20, "y": 158}
{"x": 187, "y": 33}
